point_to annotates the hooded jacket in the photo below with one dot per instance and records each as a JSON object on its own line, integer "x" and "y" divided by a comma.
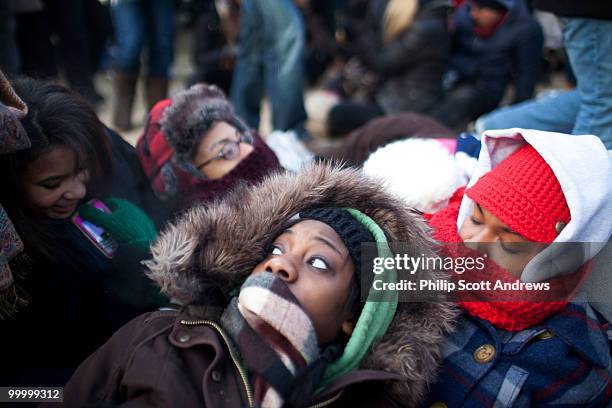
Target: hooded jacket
{"x": 565, "y": 359}
{"x": 511, "y": 55}
{"x": 587, "y": 188}
{"x": 198, "y": 261}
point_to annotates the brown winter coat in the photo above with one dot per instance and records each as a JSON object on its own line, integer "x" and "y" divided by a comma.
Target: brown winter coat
{"x": 183, "y": 358}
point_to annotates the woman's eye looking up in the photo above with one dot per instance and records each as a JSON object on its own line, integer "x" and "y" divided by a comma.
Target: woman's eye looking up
{"x": 319, "y": 263}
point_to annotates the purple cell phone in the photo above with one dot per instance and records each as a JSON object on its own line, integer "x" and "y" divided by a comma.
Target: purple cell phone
{"x": 95, "y": 234}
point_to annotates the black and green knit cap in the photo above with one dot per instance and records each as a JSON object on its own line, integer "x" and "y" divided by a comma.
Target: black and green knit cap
{"x": 349, "y": 229}
{"x": 355, "y": 228}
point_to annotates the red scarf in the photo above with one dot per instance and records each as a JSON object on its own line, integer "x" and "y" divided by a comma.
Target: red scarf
{"x": 514, "y": 313}
{"x": 488, "y": 31}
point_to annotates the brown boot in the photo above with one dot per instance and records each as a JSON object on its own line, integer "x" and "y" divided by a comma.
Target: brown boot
{"x": 125, "y": 88}
{"x": 156, "y": 90}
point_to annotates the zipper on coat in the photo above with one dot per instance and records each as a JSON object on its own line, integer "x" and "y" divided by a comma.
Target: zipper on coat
{"x": 238, "y": 366}
{"x": 328, "y": 402}
{"x": 241, "y": 369}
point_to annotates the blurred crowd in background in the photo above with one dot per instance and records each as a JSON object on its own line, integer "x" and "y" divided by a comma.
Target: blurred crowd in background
{"x": 453, "y": 61}
{"x": 170, "y": 140}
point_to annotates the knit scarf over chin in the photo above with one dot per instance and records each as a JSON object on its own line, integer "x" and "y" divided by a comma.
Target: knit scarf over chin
{"x": 514, "y": 313}
{"x": 252, "y": 169}
{"x": 276, "y": 340}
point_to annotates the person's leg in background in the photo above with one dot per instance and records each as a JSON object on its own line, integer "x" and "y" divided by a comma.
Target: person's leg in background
{"x": 160, "y": 44}
{"x": 128, "y": 20}
{"x": 462, "y": 105}
{"x": 247, "y": 84}
{"x": 553, "y": 114}
{"x": 68, "y": 17}
{"x": 588, "y": 43}
{"x": 100, "y": 30}
{"x": 284, "y": 63}
{"x": 9, "y": 55}
{"x": 36, "y": 51}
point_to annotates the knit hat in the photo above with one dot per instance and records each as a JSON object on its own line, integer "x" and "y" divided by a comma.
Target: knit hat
{"x": 523, "y": 192}
{"x": 174, "y": 176}
{"x": 355, "y": 228}
{"x": 376, "y": 315}
{"x": 192, "y": 113}
{"x": 351, "y": 232}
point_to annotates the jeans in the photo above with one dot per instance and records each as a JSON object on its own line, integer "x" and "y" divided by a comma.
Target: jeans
{"x": 271, "y": 58}
{"x": 139, "y": 24}
{"x": 589, "y": 43}
{"x": 588, "y": 110}
{"x": 555, "y": 113}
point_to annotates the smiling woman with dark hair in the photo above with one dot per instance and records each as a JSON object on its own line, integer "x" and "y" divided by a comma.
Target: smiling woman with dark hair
{"x": 68, "y": 161}
{"x": 81, "y": 279}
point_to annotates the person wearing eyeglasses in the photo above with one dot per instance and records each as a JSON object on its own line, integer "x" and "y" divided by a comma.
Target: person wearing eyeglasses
{"x": 194, "y": 148}
{"x": 222, "y": 149}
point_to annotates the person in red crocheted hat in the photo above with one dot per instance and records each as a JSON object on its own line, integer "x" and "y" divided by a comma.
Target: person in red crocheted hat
{"x": 520, "y": 201}
{"x": 531, "y": 191}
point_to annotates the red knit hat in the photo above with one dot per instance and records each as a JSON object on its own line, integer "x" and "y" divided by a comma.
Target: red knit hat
{"x": 523, "y": 192}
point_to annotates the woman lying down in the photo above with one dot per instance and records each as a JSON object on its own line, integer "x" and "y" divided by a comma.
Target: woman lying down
{"x": 269, "y": 282}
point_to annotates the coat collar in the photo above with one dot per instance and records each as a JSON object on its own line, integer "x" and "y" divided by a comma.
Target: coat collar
{"x": 577, "y": 326}
{"x": 188, "y": 332}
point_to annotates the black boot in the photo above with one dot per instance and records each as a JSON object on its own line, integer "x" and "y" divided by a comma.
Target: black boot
{"x": 156, "y": 90}
{"x": 125, "y": 88}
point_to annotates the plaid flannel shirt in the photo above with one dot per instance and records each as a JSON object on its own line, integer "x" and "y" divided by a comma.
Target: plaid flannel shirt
{"x": 564, "y": 362}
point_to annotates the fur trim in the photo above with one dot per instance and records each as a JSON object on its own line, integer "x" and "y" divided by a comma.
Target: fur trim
{"x": 211, "y": 250}
{"x": 192, "y": 113}
{"x": 420, "y": 171}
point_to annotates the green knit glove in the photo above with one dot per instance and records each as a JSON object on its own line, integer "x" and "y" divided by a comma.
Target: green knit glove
{"x": 127, "y": 223}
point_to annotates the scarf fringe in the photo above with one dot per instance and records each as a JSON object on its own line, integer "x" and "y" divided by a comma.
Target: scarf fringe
{"x": 11, "y": 300}
{"x": 15, "y": 297}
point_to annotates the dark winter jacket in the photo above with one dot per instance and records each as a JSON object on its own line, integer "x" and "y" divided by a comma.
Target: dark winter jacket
{"x": 597, "y": 9}
{"x": 184, "y": 358}
{"x": 76, "y": 301}
{"x": 168, "y": 358}
{"x": 511, "y": 55}
{"x": 563, "y": 361}
{"x": 77, "y": 297}
{"x": 411, "y": 65}
{"x": 130, "y": 182}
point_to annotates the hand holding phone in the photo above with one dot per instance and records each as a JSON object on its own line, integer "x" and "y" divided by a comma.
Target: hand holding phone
{"x": 96, "y": 234}
{"x": 125, "y": 222}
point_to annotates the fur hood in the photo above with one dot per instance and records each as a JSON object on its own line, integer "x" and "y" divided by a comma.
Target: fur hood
{"x": 211, "y": 250}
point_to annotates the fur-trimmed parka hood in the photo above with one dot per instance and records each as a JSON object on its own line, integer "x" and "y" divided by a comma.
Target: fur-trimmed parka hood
{"x": 211, "y": 250}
